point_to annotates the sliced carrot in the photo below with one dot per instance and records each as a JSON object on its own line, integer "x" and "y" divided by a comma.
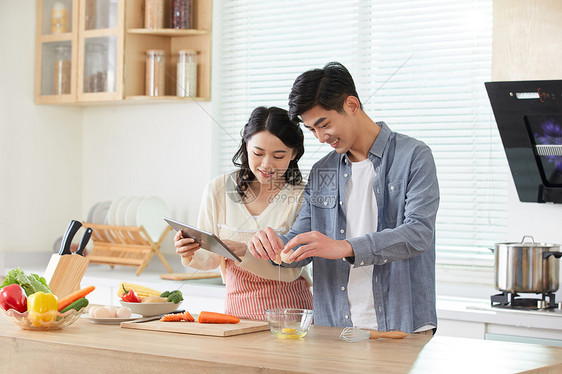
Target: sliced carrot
{"x": 212, "y": 317}
{"x": 188, "y": 317}
{"x": 172, "y": 318}
{"x": 69, "y": 299}
{"x": 178, "y": 317}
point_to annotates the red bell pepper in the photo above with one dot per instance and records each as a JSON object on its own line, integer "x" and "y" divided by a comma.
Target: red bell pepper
{"x": 130, "y": 296}
{"x": 13, "y": 296}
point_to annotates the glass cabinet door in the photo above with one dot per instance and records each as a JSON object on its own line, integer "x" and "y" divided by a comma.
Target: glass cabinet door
{"x": 56, "y": 68}
{"x": 100, "y": 50}
{"x": 56, "y": 51}
{"x": 100, "y": 14}
{"x": 100, "y": 64}
{"x": 57, "y": 16}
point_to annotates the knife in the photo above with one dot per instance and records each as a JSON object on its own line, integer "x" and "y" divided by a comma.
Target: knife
{"x": 84, "y": 241}
{"x": 152, "y": 318}
{"x": 71, "y": 230}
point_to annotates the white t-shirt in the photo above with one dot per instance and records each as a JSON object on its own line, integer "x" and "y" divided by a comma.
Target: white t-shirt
{"x": 361, "y": 211}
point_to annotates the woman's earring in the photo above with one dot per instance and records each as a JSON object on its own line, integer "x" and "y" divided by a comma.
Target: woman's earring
{"x": 245, "y": 176}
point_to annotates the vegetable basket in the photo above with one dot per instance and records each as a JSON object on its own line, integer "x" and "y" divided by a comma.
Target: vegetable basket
{"x": 52, "y": 320}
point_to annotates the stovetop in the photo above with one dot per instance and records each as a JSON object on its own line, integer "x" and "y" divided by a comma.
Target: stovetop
{"x": 512, "y": 300}
{"x": 554, "y": 312}
{"x": 536, "y": 304}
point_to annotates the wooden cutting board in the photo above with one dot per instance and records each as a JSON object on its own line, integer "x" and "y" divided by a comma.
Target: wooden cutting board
{"x": 192, "y": 275}
{"x": 245, "y": 326}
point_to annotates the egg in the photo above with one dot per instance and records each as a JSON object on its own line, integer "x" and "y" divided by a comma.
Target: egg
{"x": 112, "y": 309}
{"x": 123, "y": 312}
{"x": 285, "y": 256}
{"x": 278, "y": 259}
{"x": 93, "y": 309}
{"x": 104, "y": 312}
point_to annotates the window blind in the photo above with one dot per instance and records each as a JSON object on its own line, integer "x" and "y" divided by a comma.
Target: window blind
{"x": 420, "y": 66}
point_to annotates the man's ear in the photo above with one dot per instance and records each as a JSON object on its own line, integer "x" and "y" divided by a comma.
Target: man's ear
{"x": 352, "y": 105}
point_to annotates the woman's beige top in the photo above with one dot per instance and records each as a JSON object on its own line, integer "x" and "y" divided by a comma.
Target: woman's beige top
{"x": 223, "y": 213}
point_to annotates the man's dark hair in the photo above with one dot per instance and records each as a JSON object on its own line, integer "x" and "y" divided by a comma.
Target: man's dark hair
{"x": 327, "y": 87}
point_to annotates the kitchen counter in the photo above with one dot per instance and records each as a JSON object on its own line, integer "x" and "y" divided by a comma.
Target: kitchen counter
{"x": 87, "y": 347}
{"x": 475, "y": 318}
{"x": 457, "y": 316}
{"x": 479, "y": 310}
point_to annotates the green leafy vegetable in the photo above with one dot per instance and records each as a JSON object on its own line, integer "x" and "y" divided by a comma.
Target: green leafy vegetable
{"x": 31, "y": 283}
{"x": 174, "y": 296}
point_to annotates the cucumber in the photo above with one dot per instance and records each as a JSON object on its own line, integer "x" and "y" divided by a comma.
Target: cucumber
{"x": 77, "y": 305}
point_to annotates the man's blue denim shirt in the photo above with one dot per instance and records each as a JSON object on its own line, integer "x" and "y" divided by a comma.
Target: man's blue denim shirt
{"x": 402, "y": 249}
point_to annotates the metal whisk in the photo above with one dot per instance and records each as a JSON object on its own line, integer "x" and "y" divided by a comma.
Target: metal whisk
{"x": 355, "y": 334}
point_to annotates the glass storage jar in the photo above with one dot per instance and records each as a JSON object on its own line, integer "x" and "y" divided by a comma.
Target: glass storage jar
{"x": 59, "y": 18}
{"x": 155, "y": 72}
{"x": 95, "y": 69}
{"x": 61, "y": 70}
{"x": 186, "y": 84}
{"x": 90, "y": 14}
{"x": 182, "y": 11}
{"x": 154, "y": 14}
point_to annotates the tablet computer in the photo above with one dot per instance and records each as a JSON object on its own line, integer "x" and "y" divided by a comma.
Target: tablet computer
{"x": 206, "y": 240}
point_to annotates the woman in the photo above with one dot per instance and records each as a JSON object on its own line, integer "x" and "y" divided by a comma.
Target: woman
{"x": 266, "y": 190}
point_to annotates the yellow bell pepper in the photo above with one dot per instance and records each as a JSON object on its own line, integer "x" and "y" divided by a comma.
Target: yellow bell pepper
{"x": 42, "y": 308}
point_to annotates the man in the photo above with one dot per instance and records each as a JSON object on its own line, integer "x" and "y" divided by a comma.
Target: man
{"x": 368, "y": 219}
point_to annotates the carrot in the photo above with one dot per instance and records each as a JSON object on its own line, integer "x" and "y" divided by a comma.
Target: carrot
{"x": 212, "y": 317}
{"x": 69, "y": 299}
{"x": 178, "y": 317}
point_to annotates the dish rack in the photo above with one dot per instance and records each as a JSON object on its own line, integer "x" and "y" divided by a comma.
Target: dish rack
{"x": 125, "y": 245}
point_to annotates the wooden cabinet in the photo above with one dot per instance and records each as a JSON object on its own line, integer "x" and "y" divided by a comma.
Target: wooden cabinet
{"x": 100, "y": 50}
{"x": 56, "y": 51}
{"x": 138, "y": 40}
{"x": 98, "y": 54}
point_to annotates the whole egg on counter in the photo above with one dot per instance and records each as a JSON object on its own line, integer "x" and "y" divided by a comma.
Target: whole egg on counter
{"x": 109, "y": 311}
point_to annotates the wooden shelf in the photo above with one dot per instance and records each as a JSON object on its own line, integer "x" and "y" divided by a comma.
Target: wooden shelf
{"x": 165, "y": 98}
{"x": 99, "y": 33}
{"x": 139, "y": 39}
{"x": 53, "y": 38}
{"x": 169, "y": 32}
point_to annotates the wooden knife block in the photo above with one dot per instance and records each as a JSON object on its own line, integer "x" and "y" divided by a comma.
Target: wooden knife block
{"x": 64, "y": 273}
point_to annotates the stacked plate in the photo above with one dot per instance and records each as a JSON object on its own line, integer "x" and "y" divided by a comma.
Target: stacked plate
{"x": 98, "y": 212}
{"x": 148, "y": 212}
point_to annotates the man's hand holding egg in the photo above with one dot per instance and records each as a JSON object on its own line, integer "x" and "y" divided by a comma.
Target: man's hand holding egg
{"x": 285, "y": 256}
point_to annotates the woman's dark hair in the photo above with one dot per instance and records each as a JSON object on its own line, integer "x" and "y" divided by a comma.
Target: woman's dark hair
{"x": 276, "y": 121}
{"x": 327, "y": 87}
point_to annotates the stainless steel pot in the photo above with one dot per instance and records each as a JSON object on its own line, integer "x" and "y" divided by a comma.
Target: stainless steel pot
{"x": 527, "y": 266}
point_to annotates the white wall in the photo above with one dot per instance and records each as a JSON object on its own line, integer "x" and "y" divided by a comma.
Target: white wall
{"x": 57, "y": 161}
{"x": 40, "y": 146}
{"x": 148, "y": 150}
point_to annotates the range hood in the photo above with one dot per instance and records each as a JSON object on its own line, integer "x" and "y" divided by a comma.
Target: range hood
{"x": 529, "y": 119}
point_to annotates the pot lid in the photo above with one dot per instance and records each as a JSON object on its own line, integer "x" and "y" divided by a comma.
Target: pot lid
{"x": 529, "y": 241}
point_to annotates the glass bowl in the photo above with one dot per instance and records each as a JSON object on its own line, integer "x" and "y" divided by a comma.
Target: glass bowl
{"x": 47, "y": 321}
{"x": 289, "y": 323}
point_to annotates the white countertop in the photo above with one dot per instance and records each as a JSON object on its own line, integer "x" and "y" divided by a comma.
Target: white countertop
{"x": 479, "y": 310}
